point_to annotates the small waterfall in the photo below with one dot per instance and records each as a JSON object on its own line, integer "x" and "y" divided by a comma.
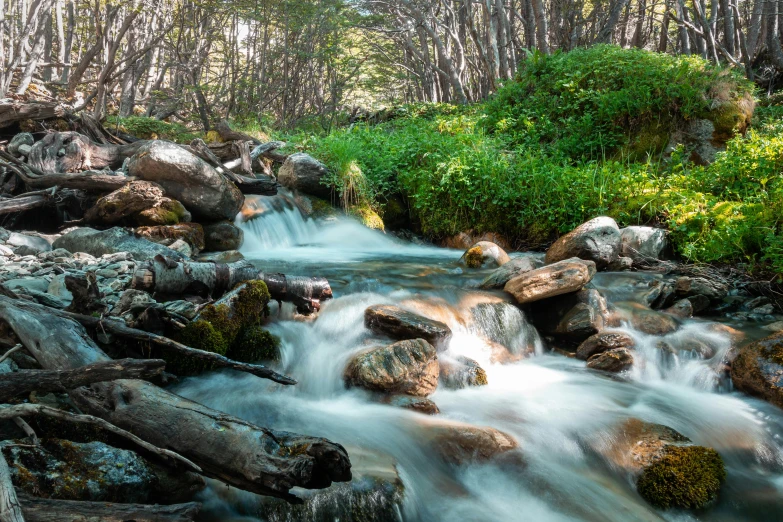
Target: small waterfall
{"x": 275, "y": 222}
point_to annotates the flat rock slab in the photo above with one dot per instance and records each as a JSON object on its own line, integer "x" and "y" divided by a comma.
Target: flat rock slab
{"x": 560, "y": 278}
{"x": 100, "y": 242}
{"x": 400, "y": 324}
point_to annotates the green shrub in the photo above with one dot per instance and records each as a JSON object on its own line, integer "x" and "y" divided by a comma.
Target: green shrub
{"x": 686, "y": 477}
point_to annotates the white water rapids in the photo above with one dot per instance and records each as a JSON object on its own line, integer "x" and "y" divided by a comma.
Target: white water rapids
{"x": 561, "y": 413}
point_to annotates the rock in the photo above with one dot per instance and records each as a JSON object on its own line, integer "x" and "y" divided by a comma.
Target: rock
{"x": 182, "y": 247}
{"x": 671, "y": 472}
{"x": 461, "y": 372}
{"x": 665, "y": 297}
{"x": 563, "y": 277}
{"x": 597, "y": 240}
{"x": 303, "y": 172}
{"x": 419, "y": 404}
{"x": 516, "y": 266}
{"x": 616, "y": 360}
{"x": 165, "y": 212}
{"x": 506, "y": 331}
{"x": 375, "y": 494}
{"x": 75, "y": 471}
{"x": 23, "y": 139}
{"x": 572, "y": 317}
{"x": 409, "y": 367}
{"x": 124, "y": 202}
{"x": 458, "y": 443}
{"x": 24, "y": 284}
{"x": 206, "y": 193}
{"x": 682, "y": 309}
{"x": 699, "y": 303}
{"x": 692, "y": 286}
{"x": 758, "y": 369}
{"x": 620, "y": 264}
{"x": 229, "y": 256}
{"x": 100, "y": 242}
{"x": 643, "y": 244}
{"x": 33, "y": 245}
{"x": 777, "y": 326}
{"x": 602, "y": 342}
{"x": 190, "y": 233}
{"x": 484, "y": 253}
{"x": 464, "y": 240}
{"x": 57, "y": 289}
{"x": 400, "y": 324}
{"x": 222, "y": 236}
{"x": 652, "y": 322}
{"x": 186, "y": 309}
{"x": 132, "y": 300}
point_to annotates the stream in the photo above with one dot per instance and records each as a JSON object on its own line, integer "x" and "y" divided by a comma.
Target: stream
{"x": 561, "y": 413}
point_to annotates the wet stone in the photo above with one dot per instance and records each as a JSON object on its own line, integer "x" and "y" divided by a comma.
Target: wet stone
{"x": 399, "y": 324}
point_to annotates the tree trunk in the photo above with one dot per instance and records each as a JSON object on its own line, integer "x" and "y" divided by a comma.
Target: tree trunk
{"x": 48, "y": 510}
{"x": 10, "y": 509}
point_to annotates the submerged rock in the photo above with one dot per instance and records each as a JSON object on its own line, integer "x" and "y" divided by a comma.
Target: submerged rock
{"x": 563, "y": 277}
{"x": 597, "y": 240}
{"x": 399, "y": 324}
{"x": 502, "y": 275}
{"x": 615, "y": 360}
{"x": 458, "y": 443}
{"x": 701, "y": 286}
{"x": 682, "y": 309}
{"x": 461, "y": 372}
{"x": 485, "y": 253}
{"x": 222, "y": 236}
{"x": 419, "y": 404}
{"x": 602, "y": 342}
{"x": 643, "y": 244}
{"x": 409, "y": 367}
{"x": 303, "y": 172}
{"x": 652, "y": 322}
{"x": 671, "y": 472}
{"x": 758, "y": 369}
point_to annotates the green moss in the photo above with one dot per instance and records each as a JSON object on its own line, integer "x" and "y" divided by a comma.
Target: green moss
{"x": 321, "y": 208}
{"x": 368, "y": 217}
{"x": 255, "y": 344}
{"x": 650, "y": 140}
{"x": 480, "y": 379}
{"x": 686, "y": 477}
{"x": 199, "y": 334}
{"x": 474, "y": 257}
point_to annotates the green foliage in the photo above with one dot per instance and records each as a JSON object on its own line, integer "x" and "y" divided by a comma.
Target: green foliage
{"x": 590, "y": 102}
{"x": 685, "y": 477}
{"x": 151, "y": 128}
{"x": 255, "y": 344}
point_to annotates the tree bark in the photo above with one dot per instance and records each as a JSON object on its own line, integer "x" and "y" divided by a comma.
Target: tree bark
{"x": 10, "y": 508}
{"x": 12, "y": 111}
{"x": 48, "y": 510}
{"x": 23, "y": 382}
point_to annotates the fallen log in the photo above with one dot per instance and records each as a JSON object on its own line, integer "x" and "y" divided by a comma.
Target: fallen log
{"x": 8, "y": 412}
{"x": 23, "y": 382}
{"x": 172, "y": 277}
{"x": 27, "y": 201}
{"x": 15, "y": 111}
{"x": 87, "y": 180}
{"x": 10, "y": 508}
{"x": 227, "y": 448}
{"x": 47, "y": 510}
{"x": 263, "y": 186}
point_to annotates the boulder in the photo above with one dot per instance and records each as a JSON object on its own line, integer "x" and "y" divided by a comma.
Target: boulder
{"x": 124, "y": 202}
{"x": 682, "y": 309}
{"x": 643, "y": 244}
{"x": 758, "y": 369}
{"x": 458, "y": 443}
{"x": 409, "y": 367}
{"x": 563, "y": 277}
{"x": 572, "y": 317}
{"x": 400, "y": 324}
{"x": 100, "y": 242}
{"x": 514, "y": 267}
{"x": 597, "y": 240}
{"x": 692, "y": 286}
{"x": 222, "y": 236}
{"x": 303, "y": 172}
{"x": 670, "y": 471}
{"x": 190, "y": 233}
{"x": 29, "y": 244}
{"x": 80, "y": 471}
{"x": 506, "y": 331}
{"x": 616, "y": 360}
{"x": 205, "y": 192}
{"x": 620, "y": 264}
{"x": 460, "y": 372}
{"x": 602, "y": 342}
{"x": 652, "y": 322}
{"x": 484, "y": 253}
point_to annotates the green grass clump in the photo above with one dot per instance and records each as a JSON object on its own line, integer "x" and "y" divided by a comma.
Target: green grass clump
{"x": 687, "y": 477}
{"x": 152, "y": 129}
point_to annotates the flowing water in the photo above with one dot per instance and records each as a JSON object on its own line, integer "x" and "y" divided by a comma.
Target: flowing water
{"x": 563, "y": 415}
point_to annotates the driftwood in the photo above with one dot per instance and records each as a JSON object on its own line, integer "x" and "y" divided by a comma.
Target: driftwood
{"x": 264, "y": 186}
{"x": 21, "y": 383}
{"x": 172, "y": 277}
{"x": 227, "y": 448}
{"x": 27, "y": 201}
{"x": 48, "y": 510}
{"x": 81, "y": 153}
{"x": 86, "y": 294}
{"x": 10, "y": 508}
{"x": 87, "y": 180}
{"x": 8, "y": 412}
{"x": 15, "y": 111}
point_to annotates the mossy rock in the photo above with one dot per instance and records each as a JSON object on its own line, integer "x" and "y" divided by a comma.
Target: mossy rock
{"x": 202, "y": 335}
{"x": 255, "y": 344}
{"x": 650, "y": 140}
{"x": 758, "y": 369}
{"x": 321, "y": 209}
{"x": 731, "y": 117}
{"x": 169, "y": 212}
{"x": 368, "y": 217}
{"x": 474, "y": 257}
{"x": 686, "y": 477}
